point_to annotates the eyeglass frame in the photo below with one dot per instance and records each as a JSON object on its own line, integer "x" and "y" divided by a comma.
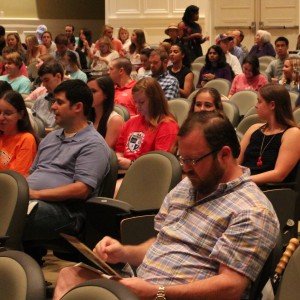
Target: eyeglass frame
{"x": 6, "y": 114}
{"x": 194, "y": 162}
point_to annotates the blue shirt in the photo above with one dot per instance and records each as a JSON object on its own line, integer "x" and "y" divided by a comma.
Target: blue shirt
{"x": 61, "y": 161}
{"x": 168, "y": 83}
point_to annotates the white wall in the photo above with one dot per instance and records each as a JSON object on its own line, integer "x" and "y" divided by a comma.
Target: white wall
{"x": 153, "y": 16}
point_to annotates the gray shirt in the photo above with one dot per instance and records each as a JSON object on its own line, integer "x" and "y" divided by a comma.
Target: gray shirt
{"x": 61, "y": 161}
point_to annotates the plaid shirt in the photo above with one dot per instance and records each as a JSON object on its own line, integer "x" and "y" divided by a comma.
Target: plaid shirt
{"x": 235, "y": 225}
{"x": 168, "y": 83}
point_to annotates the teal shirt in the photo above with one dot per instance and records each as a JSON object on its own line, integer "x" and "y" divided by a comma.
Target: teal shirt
{"x": 21, "y": 84}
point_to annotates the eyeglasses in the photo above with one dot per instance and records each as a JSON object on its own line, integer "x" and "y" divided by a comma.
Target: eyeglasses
{"x": 193, "y": 162}
{"x": 7, "y": 114}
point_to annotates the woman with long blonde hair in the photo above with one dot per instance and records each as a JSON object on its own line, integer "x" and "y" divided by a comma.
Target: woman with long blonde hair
{"x": 34, "y": 49}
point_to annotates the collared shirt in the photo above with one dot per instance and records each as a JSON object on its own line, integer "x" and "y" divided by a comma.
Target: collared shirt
{"x": 123, "y": 96}
{"x": 235, "y": 225}
{"x": 238, "y": 52}
{"x": 61, "y": 161}
{"x": 168, "y": 83}
{"x": 42, "y": 109}
{"x": 274, "y": 69}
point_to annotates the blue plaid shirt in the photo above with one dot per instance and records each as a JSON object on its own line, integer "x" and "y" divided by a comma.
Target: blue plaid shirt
{"x": 168, "y": 83}
{"x": 235, "y": 226}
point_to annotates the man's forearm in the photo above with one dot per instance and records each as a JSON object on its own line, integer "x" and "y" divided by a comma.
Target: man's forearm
{"x": 135, "y": 254}
{"x": 76, "y": 190}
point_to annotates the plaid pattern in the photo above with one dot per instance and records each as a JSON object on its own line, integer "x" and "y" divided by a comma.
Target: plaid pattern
{"x": 236, "y": 226}
{"x": 169, "y": 84}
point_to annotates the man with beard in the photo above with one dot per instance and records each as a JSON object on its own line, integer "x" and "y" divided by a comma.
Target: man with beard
{"x": 215, "y": 228}
{"x": 158, "y": 64}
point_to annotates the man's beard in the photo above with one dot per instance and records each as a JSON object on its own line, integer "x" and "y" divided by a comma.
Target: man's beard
{"x": 159, "y": 72}
{"x": 207, "y": 185}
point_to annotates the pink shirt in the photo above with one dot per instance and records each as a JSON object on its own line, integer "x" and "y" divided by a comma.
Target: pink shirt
{"x": 240, "y": 82}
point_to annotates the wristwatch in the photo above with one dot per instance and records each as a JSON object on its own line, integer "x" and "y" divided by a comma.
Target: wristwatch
{"x": 161, "y": 294}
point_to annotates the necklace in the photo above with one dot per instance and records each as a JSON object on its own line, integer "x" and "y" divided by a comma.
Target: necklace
{"x": 262, "y": 150}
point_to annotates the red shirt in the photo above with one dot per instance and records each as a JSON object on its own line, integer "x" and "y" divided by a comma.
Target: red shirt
{"x": 138, "y": 137}
{"x": 123, "y": 96}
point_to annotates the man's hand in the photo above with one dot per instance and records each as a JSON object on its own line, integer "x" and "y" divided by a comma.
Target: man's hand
{"x": 140, "y": 287}
{"x": 110, "y": 250}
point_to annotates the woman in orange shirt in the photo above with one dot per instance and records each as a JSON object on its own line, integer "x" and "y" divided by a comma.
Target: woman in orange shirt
{"x": 18, "y": 143}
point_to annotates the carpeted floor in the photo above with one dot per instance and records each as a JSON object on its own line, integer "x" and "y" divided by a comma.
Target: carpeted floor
{"x": 51, "y": 268}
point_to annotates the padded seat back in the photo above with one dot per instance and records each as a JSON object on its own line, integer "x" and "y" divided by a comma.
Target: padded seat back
{"x": 20, "y": 277}
{"x": 14, "y": 199}
{"x": 149, "y": 179}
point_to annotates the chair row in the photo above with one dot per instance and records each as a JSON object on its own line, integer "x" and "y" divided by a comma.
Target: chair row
{"x": 22, "y": 278}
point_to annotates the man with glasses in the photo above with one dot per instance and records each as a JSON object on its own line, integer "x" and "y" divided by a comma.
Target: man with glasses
{"x": 215, "y": 228}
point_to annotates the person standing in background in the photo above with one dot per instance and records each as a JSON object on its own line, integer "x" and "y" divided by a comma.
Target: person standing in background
{"x": 192, "y": 32}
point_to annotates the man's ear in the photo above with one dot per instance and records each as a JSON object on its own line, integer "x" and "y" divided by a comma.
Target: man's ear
{"x": 78, "y": 106}
{"x": 225, "y": 153}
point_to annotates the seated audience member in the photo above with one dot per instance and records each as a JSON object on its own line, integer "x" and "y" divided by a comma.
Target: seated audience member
{"x": 263, "y": 46}
{"x": 107, "y": 122}
{"x": 13, "y": 41}
{"x": 47, "y": 41}
{"x": 138, "y": 43}
{"x": 158, "y": 63}
{"x": 3, "y": 71}
{"x": 251, "y": 79}
{"x": 172, "y": 32}
{"x": 119, "y": 71}
{"x": 215, "y": 229}
{"x": 69, "y": 30}
{"x": 239, "y": 37}
{"x": 223, "y": 40}
{"x": 271, "y": 150}
{"x": 274, "y": 69}
{"x": 71, "y": 66}
{"x": 180, "y": 69}
{"x": 123, "y": 36}
{"x": 39, "y": 31}
{"x": 145, "y": 68}
{"x": 104, "y": 55}
{"x": 208, "y": 99}
{"x": 38, "y": 87}
{"x": 234, "y": 49}
{"x": 34, "y": 49}
{"x": 18, "y": 143}
{"x": 18, "y": 82}
{"x": 154, "y": 129}
{"x": 108, "y": 31}
{"x": 69, "y": 167}
{"x": 290, "y": 78}
{"x": 215, "y": 66}
{"x": 51, "y": 74}
{"x": 72, "y": 46}
{"x": 62, "y": 43}
{"x": 86, "y": 46}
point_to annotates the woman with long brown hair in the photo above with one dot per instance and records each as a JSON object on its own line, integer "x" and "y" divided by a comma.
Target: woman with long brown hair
{"x": 271, "y": 150}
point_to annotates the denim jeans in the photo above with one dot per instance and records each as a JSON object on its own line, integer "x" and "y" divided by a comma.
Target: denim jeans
{"x": 47, "y": 219}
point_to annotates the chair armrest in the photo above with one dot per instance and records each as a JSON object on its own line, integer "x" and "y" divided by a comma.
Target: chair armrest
{"x": 103, "y": 218}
